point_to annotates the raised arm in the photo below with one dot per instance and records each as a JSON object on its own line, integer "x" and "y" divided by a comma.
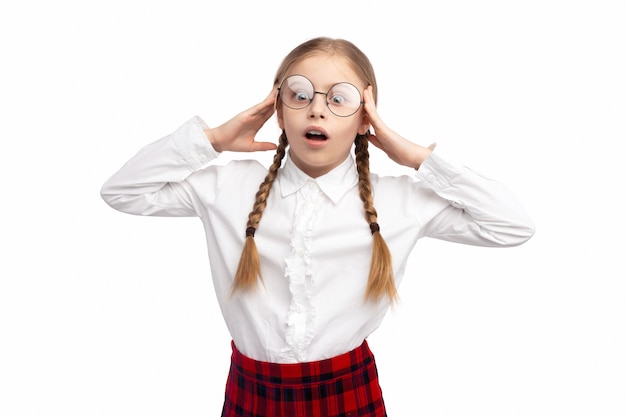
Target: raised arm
{"x": 153, "y": 181}
{"x": 469, "y": 207}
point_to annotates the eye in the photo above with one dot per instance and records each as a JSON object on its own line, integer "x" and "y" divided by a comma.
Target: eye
{"x": 298, "y": 90}
{"x": 301, "y": 96}
{"x": 337, "y": 99}
{"x": 344, "y": 94}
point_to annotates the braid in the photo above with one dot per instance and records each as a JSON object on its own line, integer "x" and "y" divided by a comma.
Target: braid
{"x": 249, "y": 268}
{"x": 380, "y": 282}
{"x": 363, "y": 168}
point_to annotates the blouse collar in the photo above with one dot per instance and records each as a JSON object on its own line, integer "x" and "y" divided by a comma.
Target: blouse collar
{"x": 334, "y": 183}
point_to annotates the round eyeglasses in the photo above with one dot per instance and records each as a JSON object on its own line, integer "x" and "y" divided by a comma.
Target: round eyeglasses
{"x": 342, "y": 99}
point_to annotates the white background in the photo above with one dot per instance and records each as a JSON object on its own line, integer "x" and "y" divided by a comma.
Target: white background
{"x": 106, "y": 314}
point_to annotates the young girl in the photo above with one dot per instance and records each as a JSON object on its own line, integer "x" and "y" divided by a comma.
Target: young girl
{"x": 309, "y": 276}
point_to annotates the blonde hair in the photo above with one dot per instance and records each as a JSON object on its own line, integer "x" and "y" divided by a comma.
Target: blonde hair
{"x": 380, "y": 282}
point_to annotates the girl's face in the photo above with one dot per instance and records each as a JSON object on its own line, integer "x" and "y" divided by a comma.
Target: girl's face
{"x": 318, "y": 139}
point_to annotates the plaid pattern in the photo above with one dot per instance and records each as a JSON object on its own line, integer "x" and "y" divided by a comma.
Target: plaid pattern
{"x": 343, "y": 386}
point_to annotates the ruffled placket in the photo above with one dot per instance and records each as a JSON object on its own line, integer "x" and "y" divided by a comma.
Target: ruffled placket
{"x": 301, "y": 315}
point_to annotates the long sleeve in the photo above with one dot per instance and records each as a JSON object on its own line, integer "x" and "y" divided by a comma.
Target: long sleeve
{"x": 312, "y": 232}
{"x": 152, "y": 182}
{"x": 478, "y": 210}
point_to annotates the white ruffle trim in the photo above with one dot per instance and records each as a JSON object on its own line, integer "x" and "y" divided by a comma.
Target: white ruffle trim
{"x": 301, "y": 315}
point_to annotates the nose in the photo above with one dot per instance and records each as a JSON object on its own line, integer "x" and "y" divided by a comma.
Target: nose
{"x": 318, "y": 105}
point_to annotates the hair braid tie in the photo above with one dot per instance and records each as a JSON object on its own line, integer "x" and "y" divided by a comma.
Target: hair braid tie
{"x": 250, "y": 231}
{"x": 374, "y": 227}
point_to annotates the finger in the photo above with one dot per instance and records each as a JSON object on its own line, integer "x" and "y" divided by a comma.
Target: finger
{"x": 262, "y": 146}
{"x": 368, "y": 99}
{"x": 370, "y": 107}
{"x": 267, "y": 106}
{"x": 432, "y": 146}
{"x": 374, "y": 141}
{"x": 271, "y": 97}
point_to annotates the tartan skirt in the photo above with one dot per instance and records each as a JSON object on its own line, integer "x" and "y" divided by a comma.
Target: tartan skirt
{"x": 342, "y": 386}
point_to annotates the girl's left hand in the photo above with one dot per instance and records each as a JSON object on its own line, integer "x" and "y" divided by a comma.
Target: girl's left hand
{"x": 399, "y": 149}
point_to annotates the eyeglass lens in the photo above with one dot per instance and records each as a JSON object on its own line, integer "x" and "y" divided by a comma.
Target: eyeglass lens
{"x": 297, "y": 92}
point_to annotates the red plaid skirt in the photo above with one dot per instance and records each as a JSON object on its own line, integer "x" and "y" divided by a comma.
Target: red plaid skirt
{"x": 343, "y": 386}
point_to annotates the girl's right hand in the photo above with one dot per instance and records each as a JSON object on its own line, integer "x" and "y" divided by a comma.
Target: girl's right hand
{"x": 399, "y": 149}
{"x": 237, "y": 134}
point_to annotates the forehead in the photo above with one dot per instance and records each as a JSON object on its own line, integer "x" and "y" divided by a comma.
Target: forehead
{"x": 326, "y": 70}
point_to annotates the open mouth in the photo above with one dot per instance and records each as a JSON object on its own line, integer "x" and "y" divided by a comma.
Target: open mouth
{"x": 316, "y": 135}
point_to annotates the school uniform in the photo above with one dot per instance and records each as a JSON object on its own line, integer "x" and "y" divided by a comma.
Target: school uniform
{"x": 307, "y": 321}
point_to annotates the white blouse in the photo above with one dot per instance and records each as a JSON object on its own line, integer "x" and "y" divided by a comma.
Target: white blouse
{"x": 313, "y": 239}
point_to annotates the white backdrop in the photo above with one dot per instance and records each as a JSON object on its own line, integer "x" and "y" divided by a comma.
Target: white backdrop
{"x": 106, "y": 314}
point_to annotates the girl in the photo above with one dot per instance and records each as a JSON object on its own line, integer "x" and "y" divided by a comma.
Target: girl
{"x": 309, "y": 277}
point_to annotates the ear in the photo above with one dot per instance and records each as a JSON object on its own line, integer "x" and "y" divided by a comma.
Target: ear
{"x": 364, "y": 126}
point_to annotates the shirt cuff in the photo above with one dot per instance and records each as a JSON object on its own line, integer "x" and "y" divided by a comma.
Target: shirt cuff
{"x": 438, "y": 172}
{"x": 192, "y": 144}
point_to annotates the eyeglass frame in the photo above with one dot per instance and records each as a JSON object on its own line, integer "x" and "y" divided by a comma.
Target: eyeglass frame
{"x": 361, "y": 101}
